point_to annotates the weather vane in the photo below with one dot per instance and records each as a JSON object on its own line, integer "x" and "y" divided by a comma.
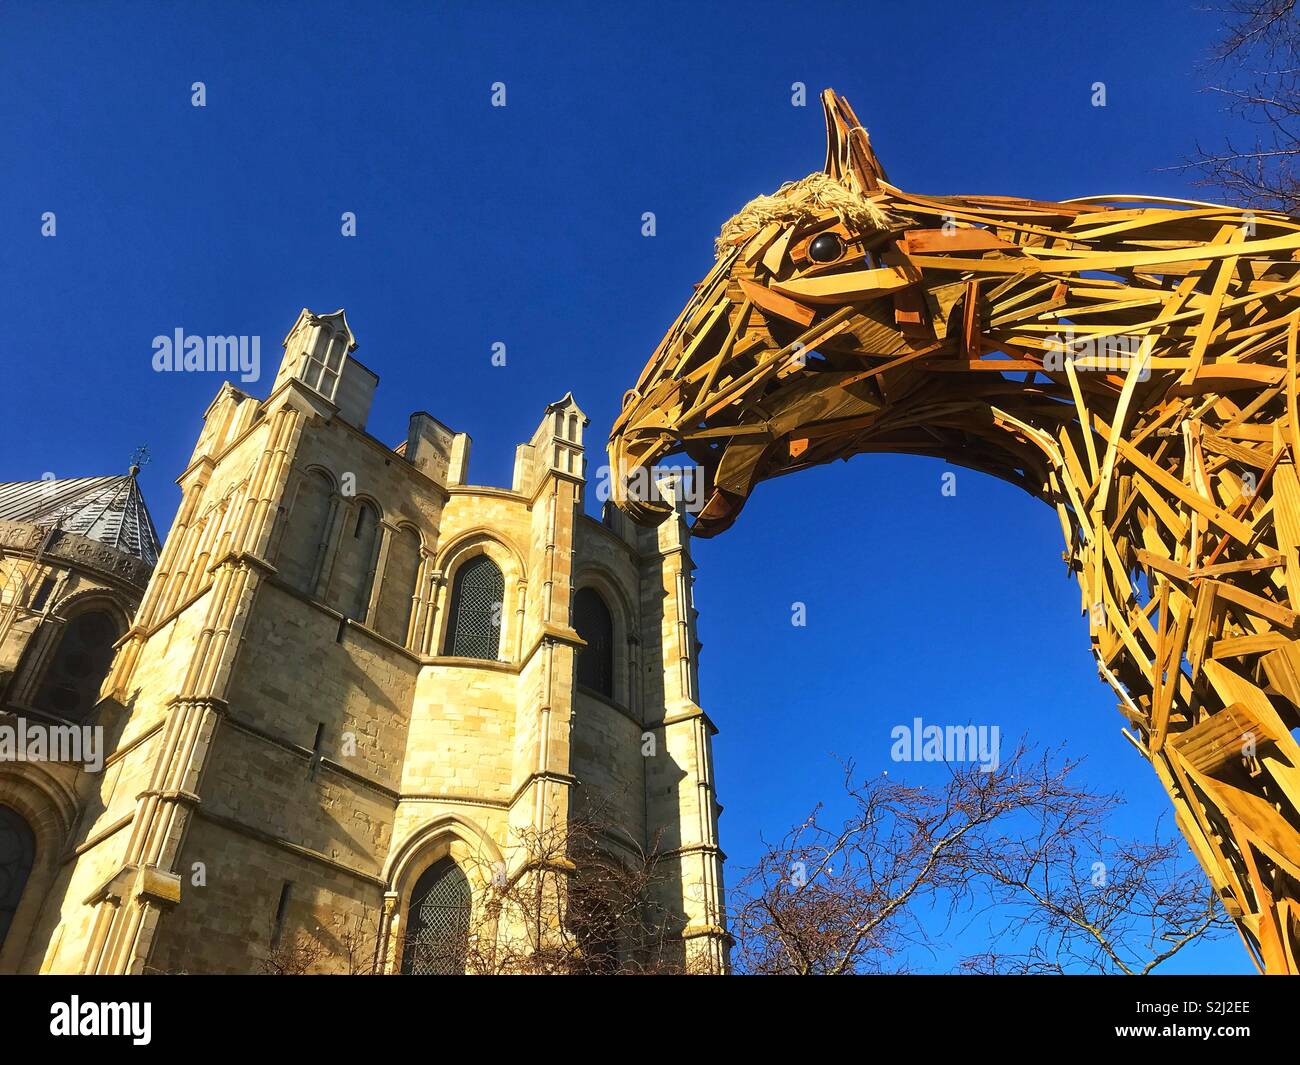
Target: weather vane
{"x": 140, "y": 457}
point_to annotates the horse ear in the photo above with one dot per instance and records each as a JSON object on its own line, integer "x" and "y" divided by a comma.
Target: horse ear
{"x": 849, "y": 158}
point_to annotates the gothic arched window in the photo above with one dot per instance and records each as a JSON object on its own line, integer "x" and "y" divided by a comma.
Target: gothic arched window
{"x": 71, "y": 684}
{"x": 358, "y": 562}
{"x": 323, "y": 362}
{"x": 477, "y": 595}
{"x": 397, "y": 596}
{"x": 437, "y": 923}
{"x": 303, "y": 547}
{"x": 592, "y": 621}
{"x": 17, "y": 853}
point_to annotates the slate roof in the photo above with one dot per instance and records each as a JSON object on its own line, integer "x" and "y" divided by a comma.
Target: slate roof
{"x": 108, "y": 510}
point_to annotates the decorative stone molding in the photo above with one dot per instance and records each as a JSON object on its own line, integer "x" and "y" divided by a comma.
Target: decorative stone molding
{"x": 76, "y": 551}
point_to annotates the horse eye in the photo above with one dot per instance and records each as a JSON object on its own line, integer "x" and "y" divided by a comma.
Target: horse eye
{"x": 826, "y": 248}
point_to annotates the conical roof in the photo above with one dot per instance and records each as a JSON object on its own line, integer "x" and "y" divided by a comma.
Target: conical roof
{"x": 108, "y": 510}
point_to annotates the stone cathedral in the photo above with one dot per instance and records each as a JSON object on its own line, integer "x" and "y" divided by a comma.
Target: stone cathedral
{"x": 344, "y": 702}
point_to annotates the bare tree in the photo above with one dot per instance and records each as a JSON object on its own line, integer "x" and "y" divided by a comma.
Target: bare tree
{"x": 576, "y": 898}
{"x": 1257, "y": 72}
{"x": 337, "y": 944}
{"x": 1022, "y": 845}
{"x": 841, "y": 899}
{"x": 1088, "y": 901}
{"x": 300, "y": 955}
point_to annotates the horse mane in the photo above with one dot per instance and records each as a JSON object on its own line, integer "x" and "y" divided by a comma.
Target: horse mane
{"x": 799, "y": 201}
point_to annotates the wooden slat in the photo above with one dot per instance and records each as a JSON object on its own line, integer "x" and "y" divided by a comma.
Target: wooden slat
{"x": 998, "y": 346}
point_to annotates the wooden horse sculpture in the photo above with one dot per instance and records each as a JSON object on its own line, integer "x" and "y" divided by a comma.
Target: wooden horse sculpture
{"x": 1130, "y": 361}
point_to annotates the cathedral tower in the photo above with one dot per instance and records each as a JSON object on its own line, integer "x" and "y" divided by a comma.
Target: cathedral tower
{"x": 360, "y": 695}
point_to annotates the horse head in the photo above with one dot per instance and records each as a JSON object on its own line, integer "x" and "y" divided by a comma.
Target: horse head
{"x": 1132, "y": 361}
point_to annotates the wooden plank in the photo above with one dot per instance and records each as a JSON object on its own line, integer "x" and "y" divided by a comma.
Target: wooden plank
{"x": 1256, "y": 604}
{"x": 1238, "y": 530}
{"x": 765, "y": 299}
{"x": 848, "y": 287}
{"x": 1182, "y": 360}
{"x": 960, "y": 238}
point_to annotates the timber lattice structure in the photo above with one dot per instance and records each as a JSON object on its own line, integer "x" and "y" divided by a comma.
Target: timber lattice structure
{"x": 1131, "y": 361}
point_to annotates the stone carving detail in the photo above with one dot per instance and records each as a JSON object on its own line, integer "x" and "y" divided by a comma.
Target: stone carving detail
{"x": 77, "y": 550}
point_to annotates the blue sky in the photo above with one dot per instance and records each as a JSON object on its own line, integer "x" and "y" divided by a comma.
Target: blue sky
{"x": 522, "y": 225}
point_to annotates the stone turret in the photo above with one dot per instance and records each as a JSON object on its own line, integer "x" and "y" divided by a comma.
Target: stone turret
{"x": 357, "y": 683}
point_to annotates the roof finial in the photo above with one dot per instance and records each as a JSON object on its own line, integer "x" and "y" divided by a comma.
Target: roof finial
{"x": 139, "y": 458}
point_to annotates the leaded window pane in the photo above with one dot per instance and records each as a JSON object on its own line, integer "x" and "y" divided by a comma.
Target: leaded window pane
{"x": 476, "y": 606}
{"x": 437, "y": 924}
